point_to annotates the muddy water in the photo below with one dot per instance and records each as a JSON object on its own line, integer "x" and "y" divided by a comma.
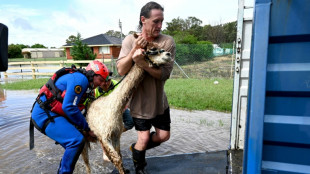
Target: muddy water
{"x": 191, "y": 132}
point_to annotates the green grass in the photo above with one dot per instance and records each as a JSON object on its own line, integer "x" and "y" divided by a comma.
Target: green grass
{"x": 190, "y": 94}
{"x": 25, "y": 85}
{"x": 196, "y": 94}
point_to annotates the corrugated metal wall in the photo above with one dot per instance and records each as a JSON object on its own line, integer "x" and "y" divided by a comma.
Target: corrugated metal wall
{"x": 278, "y": 130}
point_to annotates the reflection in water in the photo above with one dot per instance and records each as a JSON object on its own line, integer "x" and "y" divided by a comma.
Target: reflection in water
{"x": 2, "y": 95}
{"x": 191, "y": 132}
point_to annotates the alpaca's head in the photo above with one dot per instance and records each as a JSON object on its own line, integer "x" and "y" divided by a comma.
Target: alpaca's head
{"x": 154, "y": 55}
{"x": 157, "y": 56}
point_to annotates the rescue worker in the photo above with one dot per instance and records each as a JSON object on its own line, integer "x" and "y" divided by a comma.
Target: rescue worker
{"x": 56, "y": 112}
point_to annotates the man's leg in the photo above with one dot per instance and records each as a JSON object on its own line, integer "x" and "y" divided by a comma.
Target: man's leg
{"x": 143, "y": 138}
{"x": 162, "y": 128}
{"x": 158, "y": 137}
{"x": 138, "y": 151}
{"x": 143, "y": 127}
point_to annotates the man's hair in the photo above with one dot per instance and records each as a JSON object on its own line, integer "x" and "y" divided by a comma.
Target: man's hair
{"x": 146, "y": 11}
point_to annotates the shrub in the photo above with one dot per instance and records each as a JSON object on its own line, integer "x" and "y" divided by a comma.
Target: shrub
{"x": 188, "y": 53}
{"x": 81, "y": 51}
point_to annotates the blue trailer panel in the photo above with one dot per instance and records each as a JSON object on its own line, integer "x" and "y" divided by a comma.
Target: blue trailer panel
{"x": 278, "y": 119}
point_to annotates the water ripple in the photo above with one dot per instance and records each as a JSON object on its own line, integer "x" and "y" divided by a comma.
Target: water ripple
{"x": 191, "y": 132}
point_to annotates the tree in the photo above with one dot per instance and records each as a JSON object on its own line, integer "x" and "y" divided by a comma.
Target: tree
{"x": 81, "y": 51}
{"x": 71, "y": 39}
{"x": 230, "y": 31}
{"x": 192, "y": 22}
{"x": 175, "y": 26}
{"x": 15, "y": 51}
{"x": 38, "y": 46}
{"x": 187, "y": 30}
{"x": 131, "y": 32}
{"x": 184, "y": 38}
{"x": 115, "y": 34}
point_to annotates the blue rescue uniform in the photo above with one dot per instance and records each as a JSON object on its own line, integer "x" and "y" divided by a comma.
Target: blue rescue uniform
{"x": 64, "y": 129}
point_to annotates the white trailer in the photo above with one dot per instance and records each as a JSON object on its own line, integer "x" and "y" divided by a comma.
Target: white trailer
{"x": 241, "y": 76}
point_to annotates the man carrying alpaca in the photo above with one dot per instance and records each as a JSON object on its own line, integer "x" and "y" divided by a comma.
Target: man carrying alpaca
{"x": 149, "y": 106}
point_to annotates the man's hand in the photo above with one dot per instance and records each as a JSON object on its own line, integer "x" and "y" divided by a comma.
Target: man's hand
{"x": 140, "y": 42}
{"x": 90, "y": 136}
{"x": 138, "y": 58}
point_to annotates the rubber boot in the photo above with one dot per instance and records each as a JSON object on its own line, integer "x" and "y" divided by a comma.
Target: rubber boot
{"x": 151, "y": 144}
{"x": 138, "y": 158}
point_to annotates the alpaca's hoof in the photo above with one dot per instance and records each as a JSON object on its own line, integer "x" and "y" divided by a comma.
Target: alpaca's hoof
{"x": 105, "y": 158}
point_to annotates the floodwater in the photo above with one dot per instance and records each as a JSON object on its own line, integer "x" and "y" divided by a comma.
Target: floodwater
{"x": 191, "y": 132}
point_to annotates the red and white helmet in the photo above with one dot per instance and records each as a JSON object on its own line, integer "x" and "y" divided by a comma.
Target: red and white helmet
{"x": 99, "y": 68}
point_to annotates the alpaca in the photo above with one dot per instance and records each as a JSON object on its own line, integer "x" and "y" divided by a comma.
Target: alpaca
{"x": 104, "y": 115}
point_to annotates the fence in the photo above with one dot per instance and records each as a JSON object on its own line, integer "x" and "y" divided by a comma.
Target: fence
{"x": 41, "y": 68}
{"x": 191, "y": 61}
{"x": 203, "y": 61}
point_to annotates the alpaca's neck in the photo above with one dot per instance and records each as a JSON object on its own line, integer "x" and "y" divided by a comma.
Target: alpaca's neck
{"x": 124, "y": 90}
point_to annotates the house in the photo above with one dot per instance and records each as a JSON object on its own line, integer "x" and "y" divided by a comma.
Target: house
{"x": 42, "y": 52}
{"x": 106, "y": 47}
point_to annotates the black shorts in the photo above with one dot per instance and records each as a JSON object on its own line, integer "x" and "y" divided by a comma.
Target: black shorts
{"x": 160, "y": 121}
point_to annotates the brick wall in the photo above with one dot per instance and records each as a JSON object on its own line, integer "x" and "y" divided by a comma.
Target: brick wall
{"x": 114, "y": 51}
{"x": 68, "y": 53}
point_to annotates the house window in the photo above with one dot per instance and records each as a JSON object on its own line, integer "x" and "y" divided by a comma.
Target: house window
{"x": 104, "y": 50}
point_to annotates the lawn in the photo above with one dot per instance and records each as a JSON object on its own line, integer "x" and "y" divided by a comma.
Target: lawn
{"x": 199, "y": 92}
{"x": 190, "y": 94}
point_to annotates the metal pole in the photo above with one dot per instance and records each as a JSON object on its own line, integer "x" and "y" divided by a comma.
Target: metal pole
{"x": 120, "y": 26}
{"x": 181, "y": 69}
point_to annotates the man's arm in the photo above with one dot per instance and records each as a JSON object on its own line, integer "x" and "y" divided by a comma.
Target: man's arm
{"x": 124, "y": 64}
{"x": 139, "y": 59}
{"x": 72, "y": 99}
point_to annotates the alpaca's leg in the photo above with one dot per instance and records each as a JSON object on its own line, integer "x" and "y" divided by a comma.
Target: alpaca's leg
{"x": 116, "y": 143}
{"x": 105, "y": 157}
{"x": 113, "y": 155}
{"x": 85, "y": 156}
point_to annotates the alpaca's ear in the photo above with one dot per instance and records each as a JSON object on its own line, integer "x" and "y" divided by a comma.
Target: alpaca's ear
{"x": 135, "y": 35}
{"x": 150, "y": 45}
{"x": 155, "y": 45}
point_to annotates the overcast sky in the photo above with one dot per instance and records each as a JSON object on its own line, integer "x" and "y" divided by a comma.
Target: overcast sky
{"x": 51, "y": 22}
